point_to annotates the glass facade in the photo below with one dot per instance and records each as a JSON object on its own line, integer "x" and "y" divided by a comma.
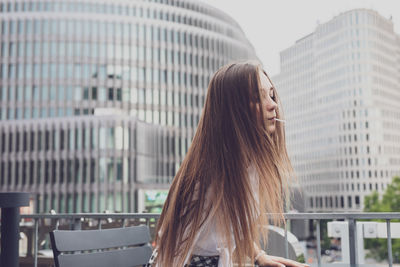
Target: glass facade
{"x": 151, "y": 60}
{"x": 92, "y": 156}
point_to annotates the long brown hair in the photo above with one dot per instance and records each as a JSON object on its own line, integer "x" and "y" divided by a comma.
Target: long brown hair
{"x": 228, "y": 139}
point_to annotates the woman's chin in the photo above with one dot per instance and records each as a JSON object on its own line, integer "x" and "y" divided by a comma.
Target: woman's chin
{"x": 270, "y": 129}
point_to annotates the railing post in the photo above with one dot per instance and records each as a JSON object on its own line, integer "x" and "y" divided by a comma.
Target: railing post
{"x": 389, "y": 243}
{"x": 319, "y": 242}
{"x": 35, "y": 244}
{"x": 286, "y": 240}
{"x": 352, "y": 241}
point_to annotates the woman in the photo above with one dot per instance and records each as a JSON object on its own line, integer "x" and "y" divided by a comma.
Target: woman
{"x": 235, "y": 171}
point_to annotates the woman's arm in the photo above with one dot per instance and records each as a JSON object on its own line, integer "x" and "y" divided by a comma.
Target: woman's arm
{"x": 264, "y": 260}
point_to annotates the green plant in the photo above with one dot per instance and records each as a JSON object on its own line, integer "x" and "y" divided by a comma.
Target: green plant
{"x": 390, "y": 202}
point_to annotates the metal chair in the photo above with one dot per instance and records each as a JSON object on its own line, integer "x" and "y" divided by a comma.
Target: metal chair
{"x": 118, "y": 247}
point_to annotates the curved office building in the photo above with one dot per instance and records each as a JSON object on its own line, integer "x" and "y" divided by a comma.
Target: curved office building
{"x": 79, "y": 79}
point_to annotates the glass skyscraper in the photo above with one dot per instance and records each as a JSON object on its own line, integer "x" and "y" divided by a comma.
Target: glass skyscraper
{"x": 99, "y": 99}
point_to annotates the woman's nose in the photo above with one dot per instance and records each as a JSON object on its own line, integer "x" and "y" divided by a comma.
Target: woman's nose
{"x": 271, "y": 104}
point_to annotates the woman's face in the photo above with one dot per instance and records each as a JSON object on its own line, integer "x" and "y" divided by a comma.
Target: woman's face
{"x": 268, "y": 103}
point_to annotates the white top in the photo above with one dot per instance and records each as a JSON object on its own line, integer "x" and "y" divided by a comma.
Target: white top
{"x": 208, "y": 242}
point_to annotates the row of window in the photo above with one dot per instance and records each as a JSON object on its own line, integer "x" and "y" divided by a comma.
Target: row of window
{"x": 50, "y": 172}
{"x": 138, "y": 12}
{"x": 345, "y": 187}
{"x": 85, "y": 202}
{"x": 109, "y": 170}
{"x": 318, "y": 201}
{"x": 48, "y": 52}
{"x": 141, "y": 96}
{"x": 164, "y": 118}
{"x": 349, "y": 137}
{"x": 302, "y": 153}
{"x": 298, "y": 145}
{"x": 114, "y": 138}
{"x": 334, "y": 202}
{"x": 349, "y": 150}
{"x": 145, "y": 33}
{"x": 349, "y": 162}
{"x": 21, "y": 94}
{"x": 15, "y": 6}
{"x": 72, "y": 139}
{"x": 106, "y": 72}
{"x": 105, "y": 170}
{"x": 353, "y": 174}
{"x": 311, "y": 179}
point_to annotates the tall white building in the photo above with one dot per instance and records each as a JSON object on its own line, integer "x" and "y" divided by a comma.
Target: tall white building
{"x": 340, "y": 89}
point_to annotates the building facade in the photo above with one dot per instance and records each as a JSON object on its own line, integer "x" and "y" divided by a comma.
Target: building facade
{"x": 66, "y": 65}
{"x": 85, "y": 163}
{"x": 340, "y": 89}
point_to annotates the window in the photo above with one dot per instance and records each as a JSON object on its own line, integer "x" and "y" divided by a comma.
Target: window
{"x": 45, "y": 93}
{"x": 36, "y": 71}
{"x": 110, "y": 93}
{"x": 37, "y": 27}
{"x": 4, "y": 26}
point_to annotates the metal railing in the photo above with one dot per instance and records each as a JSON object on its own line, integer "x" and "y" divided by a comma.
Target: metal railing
{"x": 48, "y": 222}
{"x": 352, "y": 220}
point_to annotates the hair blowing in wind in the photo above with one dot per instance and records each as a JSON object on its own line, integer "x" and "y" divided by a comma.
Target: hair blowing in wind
{"x": 229, "y": 138}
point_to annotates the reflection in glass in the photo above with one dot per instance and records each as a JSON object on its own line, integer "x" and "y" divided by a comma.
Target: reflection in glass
{"x": 27, "y": 113}
{"x": 77, "y": 71}
{"x": 28, "y": 71}
{"x": 102, "y": 94}
{"x": 110, "y": 137}
{"x": 78, "y": 93}
{"x": 43, "y": 112}
{"x": 20, "y": 71}
{"x": 35, "y": 92}
{"x": 102, "y": 137}
{"x": 61, "y": 94}
{"x": 93, "y": 138}
{"x": 61, "y": 49}
{"x": 12, "y": 49}
{"x": 53, "y": 49}
{"x": 36, "y": 71}
{"x": 20, "y": 93}
{"x": 134, "y": 97}
{"x": 45, "y": 93}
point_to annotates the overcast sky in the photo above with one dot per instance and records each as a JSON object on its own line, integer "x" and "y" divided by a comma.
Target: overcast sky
{"x": 273, "y": 25}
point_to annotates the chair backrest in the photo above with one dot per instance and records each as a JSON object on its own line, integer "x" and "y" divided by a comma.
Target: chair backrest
{"x": 118, "y": 247}
{"x": 276, "y": 243}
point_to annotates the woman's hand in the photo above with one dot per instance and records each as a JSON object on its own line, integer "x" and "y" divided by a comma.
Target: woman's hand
{"x": 273, "y": 261}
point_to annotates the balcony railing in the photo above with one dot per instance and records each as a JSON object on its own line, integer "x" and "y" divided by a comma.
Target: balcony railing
{"x": 37, "y": 226}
